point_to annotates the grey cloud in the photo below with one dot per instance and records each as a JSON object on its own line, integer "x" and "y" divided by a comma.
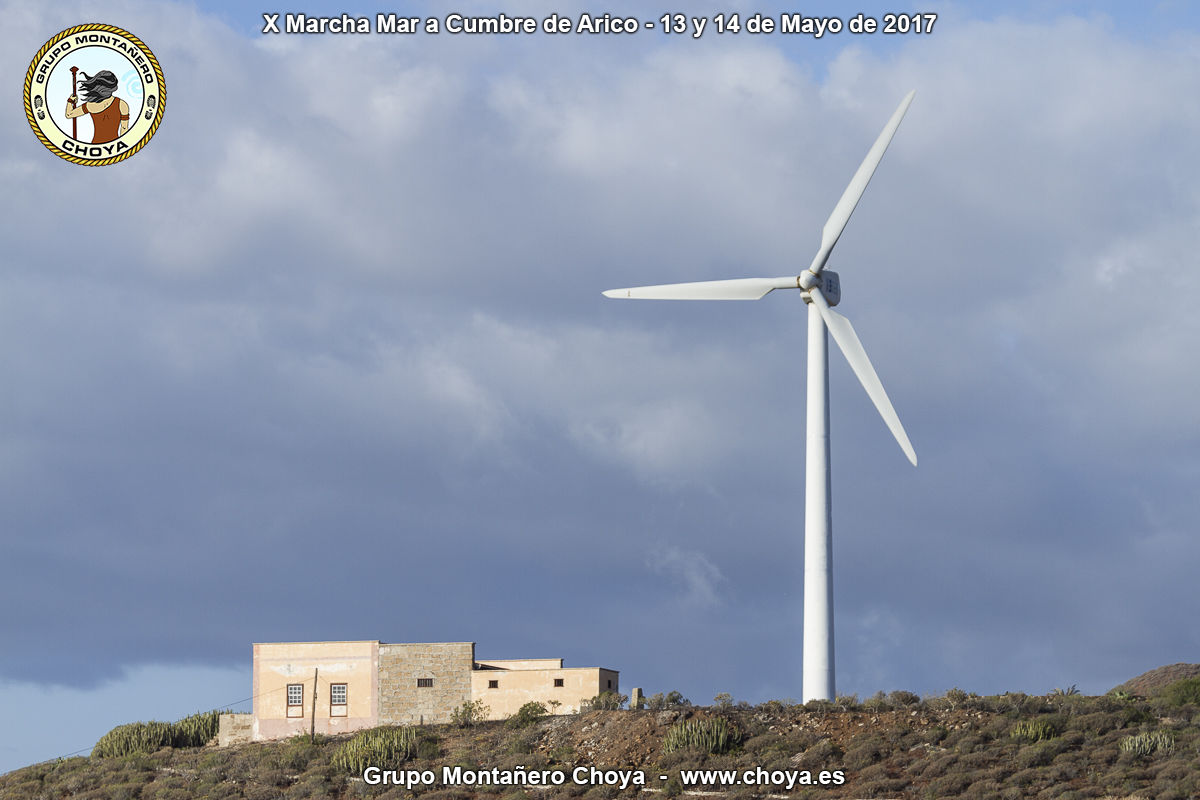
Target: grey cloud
{"x": 349, "y": 328}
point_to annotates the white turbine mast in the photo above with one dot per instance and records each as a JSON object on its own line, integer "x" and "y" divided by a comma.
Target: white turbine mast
{"x": 820, "y": 289}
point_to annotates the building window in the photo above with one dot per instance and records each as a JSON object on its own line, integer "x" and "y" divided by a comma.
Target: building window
{"x": 337, "y": 699}
{"x": 424, "y": 683}
{"x": 295, "y": 699}
{"x": 493, "y": 684}
{"x": 558, "y": 682}
{"x": 610, "y": 683}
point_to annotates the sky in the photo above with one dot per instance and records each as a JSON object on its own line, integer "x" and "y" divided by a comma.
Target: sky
{"x": 328, "y": 359}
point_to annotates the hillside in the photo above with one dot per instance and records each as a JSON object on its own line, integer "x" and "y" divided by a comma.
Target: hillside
{"x": 959, "y": 745}
{"x": 1150, "y": 683}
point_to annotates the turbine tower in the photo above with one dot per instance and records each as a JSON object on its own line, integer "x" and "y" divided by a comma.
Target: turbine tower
{"x": 820, "y": 289}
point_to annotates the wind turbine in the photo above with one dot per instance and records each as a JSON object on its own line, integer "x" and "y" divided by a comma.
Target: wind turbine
{"x": 820, "y": 289}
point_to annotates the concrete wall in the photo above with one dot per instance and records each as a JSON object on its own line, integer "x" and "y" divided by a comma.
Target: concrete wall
{"x": 276, "y": 665}
{"x": 522, "y": 663}
{"x": 516, "y": 687}
{"x": 234, "y": 729}
{"x": 608, "y": 680}
{"x": 447, "y": 664}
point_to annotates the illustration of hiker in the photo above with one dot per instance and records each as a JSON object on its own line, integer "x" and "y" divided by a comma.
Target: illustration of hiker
{"x": 110, "y": 114}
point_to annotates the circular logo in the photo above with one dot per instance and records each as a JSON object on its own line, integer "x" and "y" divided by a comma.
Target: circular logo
{"x": 94, "y": 94}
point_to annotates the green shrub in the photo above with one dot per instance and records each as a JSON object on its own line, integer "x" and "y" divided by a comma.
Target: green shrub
{"x": 901, "y": 698}
{"x": 134, "y": 737}
{"x": 949, "y": 785}
{"x": 469, "y": 714}
{"x": 1034, "y": 730}
{"x": 876, "y": 703}
{"x": 864, "y": 754}
{"x": 429, "y": 747}
{"x": 955, "y": 698}
{"x": 713, "y": 735}
{"x": 659, "y": 701}
{"x": 965, "y": 741}
{"x": 772, "y": 707}
{"x": 877, "y": 787}
{"x": 1035, "y": 755}
{"x": 386, "y": 747}
{"x": 935, "y": 735}
{"x": 196, "y": 730}
{"x": 298, "y": 752}
{"x": 1030, "y": 706}
{"x": 1099, "y": 722}
{"x": 847, "y": 702}
{"x": 825, "y": 754}
{"x": 1025, "y": 777}
{"x": 147, "y": 737}
{"x": 981, "y": 788}
{"x": 1147, "y": 744}
{"x": 1000, "y": 703}
{"x": 1181, "y": 693}
{"x": 562, "y": 754}
{"x": 526, "y": 715}
{"x": 1136, "y": 714}
{"x": 606, "y": 701}
{"x": 522, "y": 743}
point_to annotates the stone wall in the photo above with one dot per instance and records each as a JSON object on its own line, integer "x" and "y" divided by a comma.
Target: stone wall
{"x": 234, "y": 729}
{"x": 448, "y": 665}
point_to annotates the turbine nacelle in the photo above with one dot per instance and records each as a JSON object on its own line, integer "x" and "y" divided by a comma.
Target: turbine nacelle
{"x": 827, "y": 283}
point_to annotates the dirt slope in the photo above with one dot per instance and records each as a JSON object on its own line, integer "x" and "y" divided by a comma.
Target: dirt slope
{"x": 1148, "y": 683}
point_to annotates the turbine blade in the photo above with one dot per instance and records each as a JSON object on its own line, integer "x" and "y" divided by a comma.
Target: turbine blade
{"x": 851, "y": 347}
{"x": 736, "y": 289}
{"x": 858, "y": 184}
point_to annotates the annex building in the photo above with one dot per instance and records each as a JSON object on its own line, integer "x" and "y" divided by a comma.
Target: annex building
{"x": 368, "y": 683}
